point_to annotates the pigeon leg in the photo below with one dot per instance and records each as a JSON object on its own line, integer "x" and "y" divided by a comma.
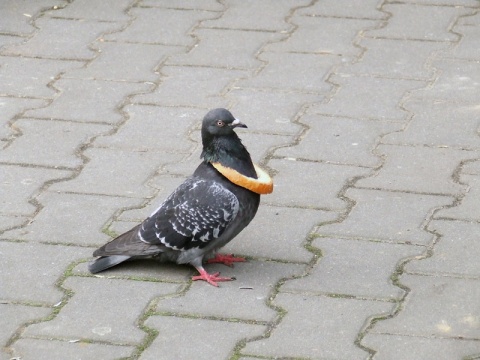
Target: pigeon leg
{"x": 227, "y": 259}
{"x": 210, "y": 278}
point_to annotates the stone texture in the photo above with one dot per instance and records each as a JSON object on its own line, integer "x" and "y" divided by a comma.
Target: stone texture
{"x": 109, "y": 10}
{"x": 326, "y": 326}
{"x": 467, "y": 209}
{"x": 360, "y": 9}
{"x": 171, "y": 344}
{"x": 92, "y": 296}
{"x": 454, "y": 315}
{"x": 387, "y": 216}
{"x": 12, "y": 108}
{"x": 363, "y": 274}
{"x": 339, "y": 140}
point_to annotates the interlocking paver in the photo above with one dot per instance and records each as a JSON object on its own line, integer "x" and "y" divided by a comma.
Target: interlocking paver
{"x": 398, "y": 63}
{"x": 216, "y": 339}
{"x": 255, "y": 281}
{"x": 62, "y": 39}
{"x": 454, "y": 315}
{"x": 72, "y": 212}
{"x": 454, "y": 254}
{"x": 388, "y": 216}
{"x": 351, "y": 261}
{"x": 47, "y": 261}
{"x": 11, "y": 107}
{"x": 368, "y": 97}
{"x": 317, "y": 327}
{"x": 314, "y": 36}
{"x": 30, "y": 77}
{"x": 420, "y": 172}
{"x": 323, "y": 188}
{"x": 19, "y": 184}
{"x": 467, "y": 209}
{"x": 286, "y": 237}
{"x": 91, "y": 297}
{"x": 339, "y": 140}
{"x": 67, "y": 107}
{"x": 41, "y": 349}
{"x": 230, "y": 55}
{"x": 108, "y": 10}
{"x": 361, "y": 9}
{"x": 47, "y": 151}
{"x": 436, "y": 22}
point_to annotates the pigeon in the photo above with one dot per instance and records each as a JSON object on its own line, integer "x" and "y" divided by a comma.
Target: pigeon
{"x": 204, "y": 213}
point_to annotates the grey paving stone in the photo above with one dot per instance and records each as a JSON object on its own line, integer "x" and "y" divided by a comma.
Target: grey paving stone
{"x": 176, "y": 26}
{"x": 62, "y": 39}
{"x": 292, "y": 71}
{"x": 323, "y": 327}
{"x": 255, "y": 281}
{"x": 454, "y": 312}
{"x": 6, "y": 40}
{"x": 125, "y": 62}
{"x": 244, "y": 15}
{"x": 339, "y": 140}
{"x": 100, "y": 100}
{"x": 364, "y": 267}
{"x": 419, "y": 348}
{"x": 114, "y": 165}
{"x": 469, "y": 43}
{"x": 15, "y": 315}
{"x": 393, "y": 58}
{"x": 259, "y": 145}
{"x": 205, "y": 86}
{"x": 416, "y": 168}
{"x": 471, "y": 167}
{"x": 210, "y": 5}
{"x": 8, "y": 222}
{"x": 47, "y": 150}
{"x": 58, "y": 350}
{"x": 315, "y": 185}
{"x": 456, "y": 84}
{"x": 10, "y": 107}
{"x": 171, "y": 126}
{"x": 110, "y": 10}
{"x": 220, "y": 343}
{"x": 19, "y": 184}
{"x": 230, "y": 55}
{"x": 278, "y": 233}
{"x": 101, "y": 305}
{"x": 142, "y": 269}
{"x": 438, "y": 124}
{"x": 468, "y": 208}
{"x": 47, "y": 262}
{"x": 460, "y": 3}
{"x": 314, "y": 36}
{"x": 17, "y": 15}
{"x": 456, "y": 252}
{"x": 388, "y": 216}
{"x": 361, "y": 9}
{"x": 414, "y": 21}
{"x": 17, "y": 74}
{"x": 470, "y": 19}
{"x": 368, "y": 97}
{"x": 269, "y": 111}
{"x": 79, "y": 219}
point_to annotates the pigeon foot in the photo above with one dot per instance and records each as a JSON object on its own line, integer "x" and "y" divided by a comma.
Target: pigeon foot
{"x": 226, "y": 259}
{"x": 212, "y": 279}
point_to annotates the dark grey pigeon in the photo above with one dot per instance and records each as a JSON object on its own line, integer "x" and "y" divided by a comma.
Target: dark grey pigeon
{"x": 203, "y": 214}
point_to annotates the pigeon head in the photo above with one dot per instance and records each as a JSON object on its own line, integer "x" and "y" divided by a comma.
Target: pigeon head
{"x": 219, "y": 122}
{"x": 221, "y": 143}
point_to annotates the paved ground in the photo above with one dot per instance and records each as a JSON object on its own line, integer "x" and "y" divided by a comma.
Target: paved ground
{"x": 366, "y": 113}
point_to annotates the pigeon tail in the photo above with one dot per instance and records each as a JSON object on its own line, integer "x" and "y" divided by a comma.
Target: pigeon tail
{"x": 105, "y": 262}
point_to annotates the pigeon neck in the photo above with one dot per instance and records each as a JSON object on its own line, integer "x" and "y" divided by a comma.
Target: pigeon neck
{"x": 228, "y": 151}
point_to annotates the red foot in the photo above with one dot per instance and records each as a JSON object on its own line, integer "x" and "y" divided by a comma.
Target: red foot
{"x": 227, "y": 259}
{"x": 210, "y": 278}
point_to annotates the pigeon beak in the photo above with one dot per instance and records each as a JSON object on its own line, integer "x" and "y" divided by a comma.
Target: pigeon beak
{"x": 237, "y": 123}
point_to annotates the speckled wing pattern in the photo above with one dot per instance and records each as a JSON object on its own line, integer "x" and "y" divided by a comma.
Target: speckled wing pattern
{"x": 196, "y": 213}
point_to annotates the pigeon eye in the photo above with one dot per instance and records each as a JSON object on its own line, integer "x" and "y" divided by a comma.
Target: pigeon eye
{"x": 220, "y": 123}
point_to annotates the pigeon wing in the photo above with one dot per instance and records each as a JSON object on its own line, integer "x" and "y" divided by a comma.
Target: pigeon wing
{"x": 196, "y": 213}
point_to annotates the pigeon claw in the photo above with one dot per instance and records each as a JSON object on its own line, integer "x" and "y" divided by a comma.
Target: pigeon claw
{"x": 212, "y": 279}
{"x": 226, "y": 259}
